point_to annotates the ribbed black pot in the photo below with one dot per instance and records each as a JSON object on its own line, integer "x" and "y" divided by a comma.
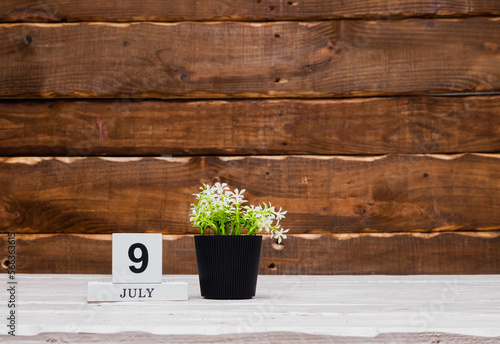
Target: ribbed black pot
{"x": 228, "y": 265}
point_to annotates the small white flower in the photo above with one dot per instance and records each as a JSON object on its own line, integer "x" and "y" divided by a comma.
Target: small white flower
{"x": 265, "y": 223}
{"x": 280, "y": 215}
{"x": 281, "y": 235}
{"x": 237, "y": 196}
{"x": 220, "y": 188}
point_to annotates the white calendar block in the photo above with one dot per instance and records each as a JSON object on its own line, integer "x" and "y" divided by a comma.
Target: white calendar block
{"x": 137, "y": 258}
{"x": 165, "y": 291}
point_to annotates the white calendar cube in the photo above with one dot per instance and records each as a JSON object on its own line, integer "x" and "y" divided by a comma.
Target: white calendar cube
{"x": 137, "y": 258}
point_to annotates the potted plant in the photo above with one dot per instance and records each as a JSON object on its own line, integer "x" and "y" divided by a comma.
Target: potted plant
{"x": 228, "y": 247}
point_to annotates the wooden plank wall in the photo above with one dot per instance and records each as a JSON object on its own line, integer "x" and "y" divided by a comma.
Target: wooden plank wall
{"x": 376, "y": 124}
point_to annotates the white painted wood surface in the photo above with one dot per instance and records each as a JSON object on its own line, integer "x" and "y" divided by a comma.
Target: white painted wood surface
{"x": 321, "y": 305}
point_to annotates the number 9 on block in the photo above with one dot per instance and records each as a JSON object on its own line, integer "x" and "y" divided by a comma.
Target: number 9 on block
{"x": 137, "y": 258}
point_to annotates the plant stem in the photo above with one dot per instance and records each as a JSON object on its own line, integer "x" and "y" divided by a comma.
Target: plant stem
{"x": 238, "y": 230}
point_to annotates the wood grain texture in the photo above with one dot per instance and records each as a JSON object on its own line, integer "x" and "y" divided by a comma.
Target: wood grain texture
{"x": 315, "y": 305}
{"x": 321, "y": 194}
{"x": 327, "y": 254}
{"x": 253, "y": 338}
{"x": 171, "y": 10}
{"x": 228, "y": 59}
{"x": 357, "y": 126}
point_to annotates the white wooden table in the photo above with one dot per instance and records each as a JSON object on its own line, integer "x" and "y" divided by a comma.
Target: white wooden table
{"x": 385, "y": 309}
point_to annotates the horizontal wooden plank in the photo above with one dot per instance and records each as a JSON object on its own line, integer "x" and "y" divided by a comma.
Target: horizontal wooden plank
{"x": 252, "y": 338}
{"x": 368, "y": 253}
{"x": 228, "y": 59}
{"x": 355, "y": 126}
{"x": 170, "y": 10}
{"x": 321, "y": 194}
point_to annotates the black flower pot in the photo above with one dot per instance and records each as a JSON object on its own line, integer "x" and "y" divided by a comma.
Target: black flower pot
{"x": 228, "y": 265}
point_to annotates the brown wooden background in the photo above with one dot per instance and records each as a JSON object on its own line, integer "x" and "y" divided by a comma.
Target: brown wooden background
{"x": 376, "y": 124}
